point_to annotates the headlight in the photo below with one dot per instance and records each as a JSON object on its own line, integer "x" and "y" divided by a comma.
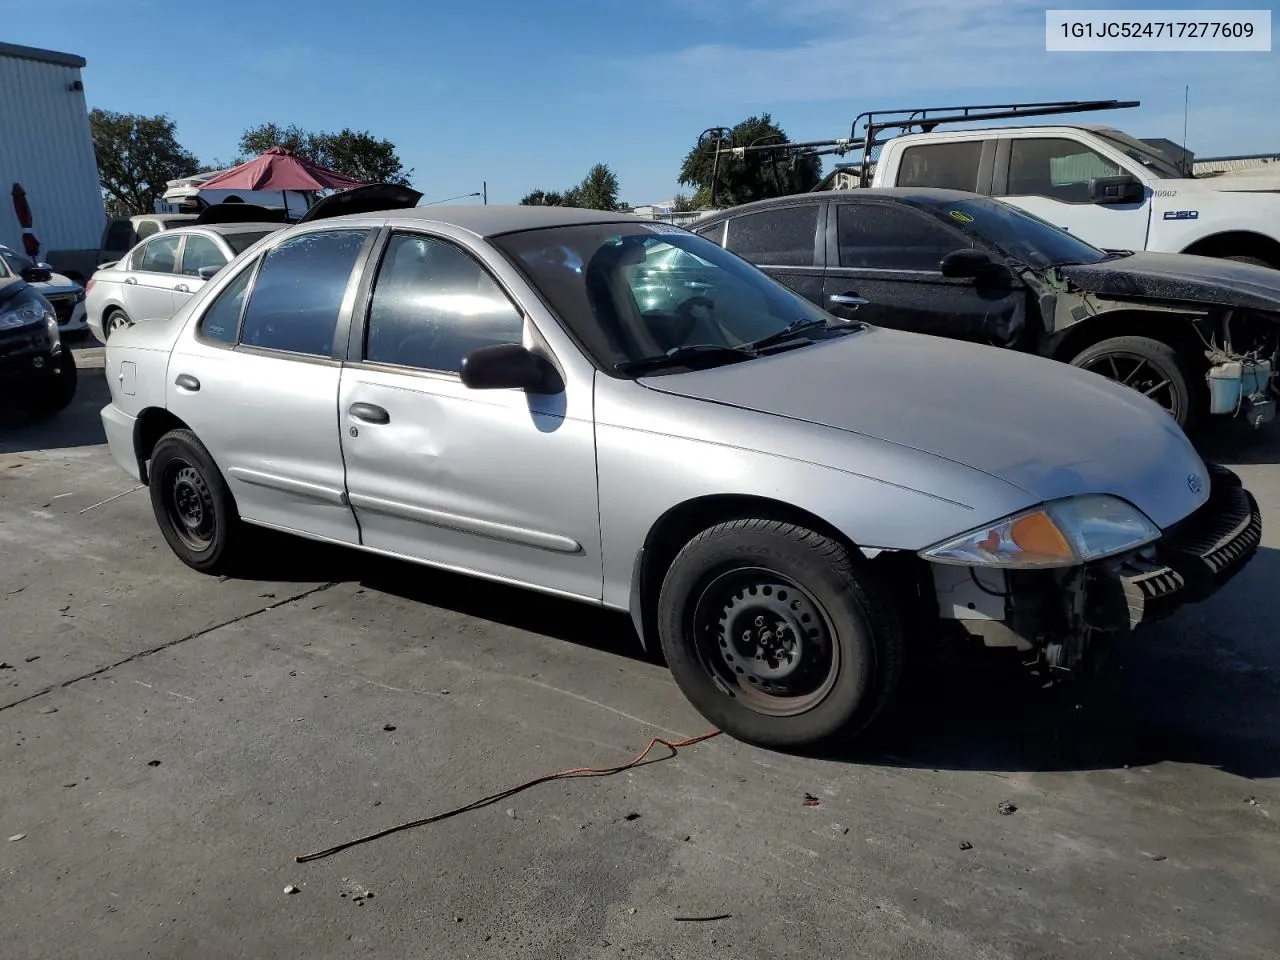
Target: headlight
{"x": 1062, "y": 533}
{"x": 23, "y": 314}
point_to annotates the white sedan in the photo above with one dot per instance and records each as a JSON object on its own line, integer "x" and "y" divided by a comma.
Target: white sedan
{"x": 154, "y": 279}
{"x": 64, "y": 294}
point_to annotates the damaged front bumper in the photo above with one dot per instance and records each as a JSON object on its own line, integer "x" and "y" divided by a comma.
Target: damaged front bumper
{"x": 1058, "y": 613}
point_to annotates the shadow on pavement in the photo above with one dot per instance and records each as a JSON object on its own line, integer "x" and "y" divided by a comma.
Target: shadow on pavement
{"x": 1235, "y": 442}
{"x": 79, "y": 425}
{"x": 1201, "y": 688}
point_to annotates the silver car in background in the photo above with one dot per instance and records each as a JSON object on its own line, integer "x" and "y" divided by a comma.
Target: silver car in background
{"x": 154, "y": 279}
{"x": 621, "y": 412}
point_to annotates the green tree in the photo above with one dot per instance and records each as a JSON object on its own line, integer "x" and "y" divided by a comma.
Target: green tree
{"x": 599, "y": 189}
{"x": 543, "y": 198}
{"x": 683, "y": 203}
{"x": 137, "y": 155}
{"x": 355, "y": 153}
{"x": 754, "y": 176}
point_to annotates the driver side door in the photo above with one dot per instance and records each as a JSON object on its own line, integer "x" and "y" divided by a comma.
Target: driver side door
{"x": 501, "y": 483}
{"x": 884, "y": 269}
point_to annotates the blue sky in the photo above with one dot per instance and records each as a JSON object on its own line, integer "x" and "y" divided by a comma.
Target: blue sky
{"x": 528, "y": 95}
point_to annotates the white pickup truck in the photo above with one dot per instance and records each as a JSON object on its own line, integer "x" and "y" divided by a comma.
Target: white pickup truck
{"x": 1099, "y": 183}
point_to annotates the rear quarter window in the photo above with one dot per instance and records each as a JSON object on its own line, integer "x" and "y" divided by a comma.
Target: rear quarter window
{"x": 785, "y": 237}
{"x": 950, "y": 166}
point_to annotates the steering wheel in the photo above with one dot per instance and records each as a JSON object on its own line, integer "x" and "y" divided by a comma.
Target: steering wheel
{"x": 685, "y": 320}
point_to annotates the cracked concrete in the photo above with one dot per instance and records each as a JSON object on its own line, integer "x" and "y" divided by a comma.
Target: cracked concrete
{"x": 169, "y": 744}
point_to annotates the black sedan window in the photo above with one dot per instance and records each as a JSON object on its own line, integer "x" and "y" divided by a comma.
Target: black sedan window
{"x": 1021, "y": 235}
{"x": 784, "y": 237}
{"x": 882, "y": 236}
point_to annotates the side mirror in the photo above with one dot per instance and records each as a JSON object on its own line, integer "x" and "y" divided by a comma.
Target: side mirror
{"x": 1122, "y": 189}
{"x": 509, "y": 366}
{"x": 40, "y": 273}
{"x": 966, "y": 264}
{"x": 209, "y": 272}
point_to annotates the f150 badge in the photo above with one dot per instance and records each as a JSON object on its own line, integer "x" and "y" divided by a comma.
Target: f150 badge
{"x": 1182, "y": 214}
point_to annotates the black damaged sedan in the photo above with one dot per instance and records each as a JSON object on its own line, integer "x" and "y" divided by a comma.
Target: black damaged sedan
{"x": 37, "y": 372}
{"x": 1199, "y": 336}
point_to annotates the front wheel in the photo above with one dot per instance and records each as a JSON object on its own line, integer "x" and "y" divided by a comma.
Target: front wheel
{"x": 1151, "y": 367}
{"x": 192, "y": 504}
{"x": 54, "y": 393}
{"x": 777, "y": 635}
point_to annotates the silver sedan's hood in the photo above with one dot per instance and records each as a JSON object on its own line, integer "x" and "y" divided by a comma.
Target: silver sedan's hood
{"x": 1048, "y": 428}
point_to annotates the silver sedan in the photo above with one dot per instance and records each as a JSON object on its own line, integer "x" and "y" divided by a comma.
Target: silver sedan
{"x": 154, "y": 279}
{"x": 622, "y": 413}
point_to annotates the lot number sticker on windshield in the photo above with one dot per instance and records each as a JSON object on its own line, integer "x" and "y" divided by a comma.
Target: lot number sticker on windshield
{"x": 961, "y": 216}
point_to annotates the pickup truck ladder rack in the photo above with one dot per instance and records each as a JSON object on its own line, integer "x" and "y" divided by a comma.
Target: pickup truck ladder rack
{"x": 875, "y": 122}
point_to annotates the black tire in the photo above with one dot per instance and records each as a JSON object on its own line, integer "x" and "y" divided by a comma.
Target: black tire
{"x": 113, "y": 320}
{"x": 54, "y": 394}
{"x": 192, "y": 504}
{"x": 1153, "y": 368}
{"x": 835, "y": 641}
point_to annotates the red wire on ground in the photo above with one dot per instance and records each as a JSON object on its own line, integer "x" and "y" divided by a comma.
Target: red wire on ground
{"x": 672, "y": 745}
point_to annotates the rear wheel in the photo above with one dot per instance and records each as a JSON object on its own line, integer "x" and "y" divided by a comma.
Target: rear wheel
{"x": 777, "y": 635}
{"x": 54, "y": 393}
{"x": 1153, "y": 368}
{"x": 113, "y": 321}
{"x": 192, "y": 504}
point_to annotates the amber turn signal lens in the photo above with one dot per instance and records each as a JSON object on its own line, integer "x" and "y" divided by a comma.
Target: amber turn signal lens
{"x": 1037, "y": 534}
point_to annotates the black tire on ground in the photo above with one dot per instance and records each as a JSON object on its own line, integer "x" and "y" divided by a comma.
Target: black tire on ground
{"x": 1256, "y": 261}
{"x": 1151, "y": 367}
{"x": 778, "y": 635}
{"x": 55, "y": 393}
{"x": 113, "y": 320}
{"x": 192, "y": 504}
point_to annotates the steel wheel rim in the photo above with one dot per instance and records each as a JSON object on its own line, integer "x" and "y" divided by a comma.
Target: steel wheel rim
{"x": 1138, "y": 373}
{"x": 765, "y": 640}
{"x": 188, "y": 505}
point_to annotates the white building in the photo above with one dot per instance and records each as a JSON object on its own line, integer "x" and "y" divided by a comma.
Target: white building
{"x": 46, "y": 146}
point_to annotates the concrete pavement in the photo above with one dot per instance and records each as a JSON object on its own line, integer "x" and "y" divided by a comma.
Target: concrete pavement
{"x": 169, "y": 742}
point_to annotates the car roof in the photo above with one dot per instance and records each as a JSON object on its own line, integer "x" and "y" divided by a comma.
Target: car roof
{"x": 929, "y": 195}
{"x": 491, "y": 220}
{"x": 225, "y": 229}
{"x": 179, "y": 217}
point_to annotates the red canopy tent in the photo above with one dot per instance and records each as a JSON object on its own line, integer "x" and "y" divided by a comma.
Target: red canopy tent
{"x": 279, "y": 169}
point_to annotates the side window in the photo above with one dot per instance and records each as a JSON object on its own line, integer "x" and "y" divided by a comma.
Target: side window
{"x": 221, "y": 321}
{"x": 881, "y": 236}
{"x": 1055, "y": 167}
{"x": 953, "y": 166}
{"x": 714, "y": 233}
{"x": 776, "y": 238}
{"x": 199, "y": 252}
{"x": 295, "y": 301}
{"x": 433, "y": 304}
{"x": 146, "y": 228}
{"x": 158, "y": 256}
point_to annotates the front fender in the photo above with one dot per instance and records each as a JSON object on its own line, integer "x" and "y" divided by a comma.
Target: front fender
{"x": 657, "y": 451}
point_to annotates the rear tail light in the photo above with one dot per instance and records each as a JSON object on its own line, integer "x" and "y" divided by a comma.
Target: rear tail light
{"x": 88, "y": 285}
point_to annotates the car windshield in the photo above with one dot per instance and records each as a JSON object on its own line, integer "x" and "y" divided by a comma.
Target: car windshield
{"x": 1021, "y": 235}
{"x": 1156, "y": 164}
{"x": 240, "y": 242}
{"x": 15, "y": 261}
{"x": 631, "y": 292}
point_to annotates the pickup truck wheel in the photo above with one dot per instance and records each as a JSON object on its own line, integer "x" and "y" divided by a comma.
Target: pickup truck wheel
{"x": 777, "y": 635}
{"x": 1151, "y": 367}
{"x": 54, "y": 394}
{"x": 192, "y": 504}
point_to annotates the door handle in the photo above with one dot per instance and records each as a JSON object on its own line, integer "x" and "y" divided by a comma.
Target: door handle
{"x": 182, "y": 288}
{"x": 130, "y": 280}
{"x": 370, "y": 413}
{"x": 846, "y": 299}
{"x": 187, "y": 382}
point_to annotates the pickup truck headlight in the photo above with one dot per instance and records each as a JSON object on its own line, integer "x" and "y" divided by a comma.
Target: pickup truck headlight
{"x": 1062, "y": 533}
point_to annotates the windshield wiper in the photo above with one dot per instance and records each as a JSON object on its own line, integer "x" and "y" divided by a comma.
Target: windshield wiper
{"x": 678, "y": 356}
{"x": 789, "y": 332}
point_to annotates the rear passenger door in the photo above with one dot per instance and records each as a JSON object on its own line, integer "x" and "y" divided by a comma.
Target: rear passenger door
{"x": 147, "y": 290}
{"x": 884, "y": 268}
{"x": 498, "y": 482}
{"x": 785, "y": 242}
{"x": 256, "y": 377}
